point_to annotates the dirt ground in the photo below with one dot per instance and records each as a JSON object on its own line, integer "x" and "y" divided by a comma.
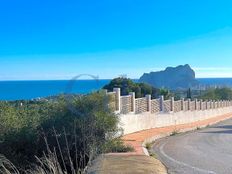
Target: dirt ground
{"x": 127, "y": 164}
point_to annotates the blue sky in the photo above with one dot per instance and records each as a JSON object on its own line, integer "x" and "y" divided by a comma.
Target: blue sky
{"x": 59, "y": 39}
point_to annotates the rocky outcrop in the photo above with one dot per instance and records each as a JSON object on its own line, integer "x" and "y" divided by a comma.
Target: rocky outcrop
{"x": 180, "y": 77}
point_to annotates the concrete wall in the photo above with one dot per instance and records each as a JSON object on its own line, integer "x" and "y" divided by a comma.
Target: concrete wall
{"x": 136, "y": 122}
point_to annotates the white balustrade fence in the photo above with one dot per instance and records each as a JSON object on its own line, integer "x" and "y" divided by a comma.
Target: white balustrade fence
{"x": 130, "y": 104}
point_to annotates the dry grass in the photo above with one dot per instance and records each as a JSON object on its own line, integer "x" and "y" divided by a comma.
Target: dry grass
{"x": 49, "y": 163}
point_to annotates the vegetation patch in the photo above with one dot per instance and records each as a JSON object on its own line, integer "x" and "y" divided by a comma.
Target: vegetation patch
{"x": 141, "y": 89}
{"x": 175, "y": 132}
{"x": 64, "y": 134}
{"x": 153, "y": 155}
{"x": 217, "y": 94}
{"x": 198, "y": 128}
{"x": 148, "y": 146}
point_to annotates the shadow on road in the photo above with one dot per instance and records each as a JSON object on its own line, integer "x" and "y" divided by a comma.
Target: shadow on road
{"x": 219, "y": 132}
{"x": 222, "y": 129}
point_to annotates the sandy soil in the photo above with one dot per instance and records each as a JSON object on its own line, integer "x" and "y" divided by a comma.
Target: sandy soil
{"x": 124, "y": 164}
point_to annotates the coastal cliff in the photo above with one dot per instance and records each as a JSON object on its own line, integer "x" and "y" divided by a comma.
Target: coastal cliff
{"x": 180, "y": 77}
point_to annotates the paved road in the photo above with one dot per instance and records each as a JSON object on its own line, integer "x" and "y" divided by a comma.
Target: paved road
{"x": 206, "y": 151}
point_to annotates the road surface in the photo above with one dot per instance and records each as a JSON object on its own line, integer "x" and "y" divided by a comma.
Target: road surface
{"x": 206, "y": 151}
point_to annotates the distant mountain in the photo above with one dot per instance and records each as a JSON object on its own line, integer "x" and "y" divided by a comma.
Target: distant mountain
{"x": 180, "y": 77}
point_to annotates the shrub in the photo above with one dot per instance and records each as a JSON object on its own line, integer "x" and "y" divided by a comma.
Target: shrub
{"x": 79, "y": 126}
{"x": 127, "y": 85}
{"x": 217, "y": 94}
{"x": 117, "y": 145}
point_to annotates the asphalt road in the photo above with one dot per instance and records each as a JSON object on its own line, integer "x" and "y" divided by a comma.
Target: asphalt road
{"x": 206, "y": 151}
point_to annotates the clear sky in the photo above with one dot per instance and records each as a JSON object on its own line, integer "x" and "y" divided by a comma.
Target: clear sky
{"x": 58, "y": 39}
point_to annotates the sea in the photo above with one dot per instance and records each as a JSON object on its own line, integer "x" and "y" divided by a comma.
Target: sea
{"x": 35, "y": 89}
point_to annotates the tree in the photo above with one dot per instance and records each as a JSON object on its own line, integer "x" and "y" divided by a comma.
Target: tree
{"x": 127, "y": 85}
{"x": 166, "y": 93}
{"x": 217, "y": 94}
{"x": 189, "y": 94}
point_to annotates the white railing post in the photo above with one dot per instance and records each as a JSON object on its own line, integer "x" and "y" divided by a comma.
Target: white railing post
{"x": 189, "y": 104}
{"x": 196, "y": 104}
{"x": 132, "y": 94}
{"x": 118, "y": 99}
{"x": 148, "y": 97}
{"x": 182, "y": 104}
{"x": 201, "y": 104}
{"x": 161, "y": 103}
{"x": 172, "y": 104}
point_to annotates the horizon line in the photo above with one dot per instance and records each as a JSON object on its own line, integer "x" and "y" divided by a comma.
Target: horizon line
{"x": 98, "y": 79}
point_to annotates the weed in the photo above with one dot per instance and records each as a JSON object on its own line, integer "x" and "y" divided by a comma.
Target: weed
{"x": 148, "y": 146}
{"x": 175, "y": 132}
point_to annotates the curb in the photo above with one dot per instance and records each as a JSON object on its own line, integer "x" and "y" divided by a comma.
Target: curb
{"x": 168, "y": 133}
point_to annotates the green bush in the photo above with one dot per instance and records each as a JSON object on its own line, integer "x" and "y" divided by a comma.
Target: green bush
{"x": 76, "y": 128}
{"x": 217, "y": 94}
{"x": 127, "y": 85}
{"x": 117, "y": 145}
